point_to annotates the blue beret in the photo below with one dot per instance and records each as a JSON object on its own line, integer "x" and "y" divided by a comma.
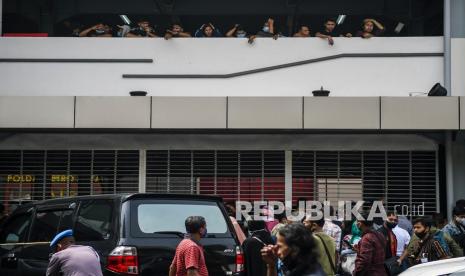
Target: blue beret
{"x": 61, "y": 235}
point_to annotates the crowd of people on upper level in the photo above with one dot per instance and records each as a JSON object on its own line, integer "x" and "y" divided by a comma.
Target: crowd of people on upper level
{"x": 369, "y": 28}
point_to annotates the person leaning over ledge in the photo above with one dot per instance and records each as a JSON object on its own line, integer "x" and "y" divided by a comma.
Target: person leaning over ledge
{"x": 329, "y": 31}
{"x": 368, "y": 30}
{"x": 304, "y": 31}
{"x": 176, "y": 30}
{"x": 98, "y": 30}
{"x": 268, "y": 30}
{"x": 143, "y": 29}
{"x": 208, "y": 31}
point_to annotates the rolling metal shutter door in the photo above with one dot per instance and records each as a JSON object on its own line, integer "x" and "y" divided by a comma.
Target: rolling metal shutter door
{"x": 234, "y": 175}
{"x": 398, "y": 177}
{"x": 38, "y": 175}
{"x": 403, "y": 178}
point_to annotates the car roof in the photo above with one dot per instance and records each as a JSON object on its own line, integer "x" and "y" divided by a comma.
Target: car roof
{"x": 123, "y": 197}
{"x": 173, "y": 196}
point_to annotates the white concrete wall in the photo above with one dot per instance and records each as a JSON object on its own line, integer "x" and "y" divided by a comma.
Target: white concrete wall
{"x": 458, "y": 66}
{"x": 344, "y": 77}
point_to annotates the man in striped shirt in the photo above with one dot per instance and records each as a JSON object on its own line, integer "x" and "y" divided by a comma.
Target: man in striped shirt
{"x": 189, "y": 259}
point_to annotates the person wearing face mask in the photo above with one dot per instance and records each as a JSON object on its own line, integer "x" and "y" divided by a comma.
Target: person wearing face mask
{"x": 428, "y": 245}
{"x": 259, "y": 237}
{"x": 446, "y": 241}
{"x": 189, "y": 257}
{"x": 456, "y": 227}
{"x": 99, "y": 30}
{"x": 295, "y": 247}
{"x": 370, "y": 250}
{"x": 386, "y": 230}
{"x": 237, "y": 31}
{"x": 268, "y": 30}
{"x": 325, "y": 247}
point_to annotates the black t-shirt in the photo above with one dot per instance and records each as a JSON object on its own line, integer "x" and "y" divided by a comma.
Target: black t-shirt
{"x": 264, "y": 34}
{"x": 139, "y": 32}
{"x": 334, "y": 33}
{"x": 254, "y": 265}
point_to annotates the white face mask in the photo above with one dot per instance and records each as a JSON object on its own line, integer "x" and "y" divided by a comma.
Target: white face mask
{"x": 241, "y": 34}
{"x": 460, "y": 220}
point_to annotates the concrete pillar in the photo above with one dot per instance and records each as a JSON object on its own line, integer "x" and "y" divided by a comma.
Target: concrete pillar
{"x": 447, "y": 84}
{"x": 288, "y": 175}
{"x": 142, "y": 171}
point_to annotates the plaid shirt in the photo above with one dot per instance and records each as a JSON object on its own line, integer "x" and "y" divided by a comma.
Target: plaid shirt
{"x": 334, "y": 232}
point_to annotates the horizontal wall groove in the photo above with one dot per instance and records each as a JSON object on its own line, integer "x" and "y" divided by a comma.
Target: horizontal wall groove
{"x": 75, "y": 60}
{"x": 277, "y": 67}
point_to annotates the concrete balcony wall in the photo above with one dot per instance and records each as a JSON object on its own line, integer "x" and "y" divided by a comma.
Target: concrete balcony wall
{"x": 435, "y": 113}
{"x": 252, "y": 113}
{"x": 384, "y": 66}
{"x": 36, "y": 112}
{"x": 341, "y": 113}
{"x": 112, "y": 112}
{"x": 265, "y": 112}
{"x": 189, "y": 113}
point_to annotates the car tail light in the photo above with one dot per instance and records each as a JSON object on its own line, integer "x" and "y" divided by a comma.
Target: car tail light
{"x": 239, "y": 259}
{"x": 123, "y": 259}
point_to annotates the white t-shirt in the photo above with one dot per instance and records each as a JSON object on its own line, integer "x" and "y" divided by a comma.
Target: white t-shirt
{"x": 403, "y": 239}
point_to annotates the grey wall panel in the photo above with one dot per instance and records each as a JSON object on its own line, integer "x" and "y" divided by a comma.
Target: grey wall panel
{"x": 341, "y": 113}
{"x": 265, "y": 112}
{"x": 36, "y": 112}
{"x": 419, "y": 113}
{"x": 189, "y": 112}
{"x": 113, "y": 112}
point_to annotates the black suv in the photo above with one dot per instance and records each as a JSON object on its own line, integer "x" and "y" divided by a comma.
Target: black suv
{"x": 134, "y": 234}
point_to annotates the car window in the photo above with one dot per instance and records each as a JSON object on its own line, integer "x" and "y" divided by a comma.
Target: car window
{"x": 160, "y": 217}
{"x": 16, "y": 229}
{"x": 66, "y": 220}
{"x": 94, "y": 221}
{"x": 45, "y": 226}
{"x": 48, "y": 223}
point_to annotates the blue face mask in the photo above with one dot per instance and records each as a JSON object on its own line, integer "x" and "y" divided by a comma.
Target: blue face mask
{"x": 266, "y": 29}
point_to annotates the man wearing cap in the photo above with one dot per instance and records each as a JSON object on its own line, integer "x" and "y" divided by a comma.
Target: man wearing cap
{"x": 70, "y": 259}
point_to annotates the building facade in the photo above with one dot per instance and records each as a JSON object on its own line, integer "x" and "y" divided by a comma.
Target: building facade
{"x": 237, "y": 120}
